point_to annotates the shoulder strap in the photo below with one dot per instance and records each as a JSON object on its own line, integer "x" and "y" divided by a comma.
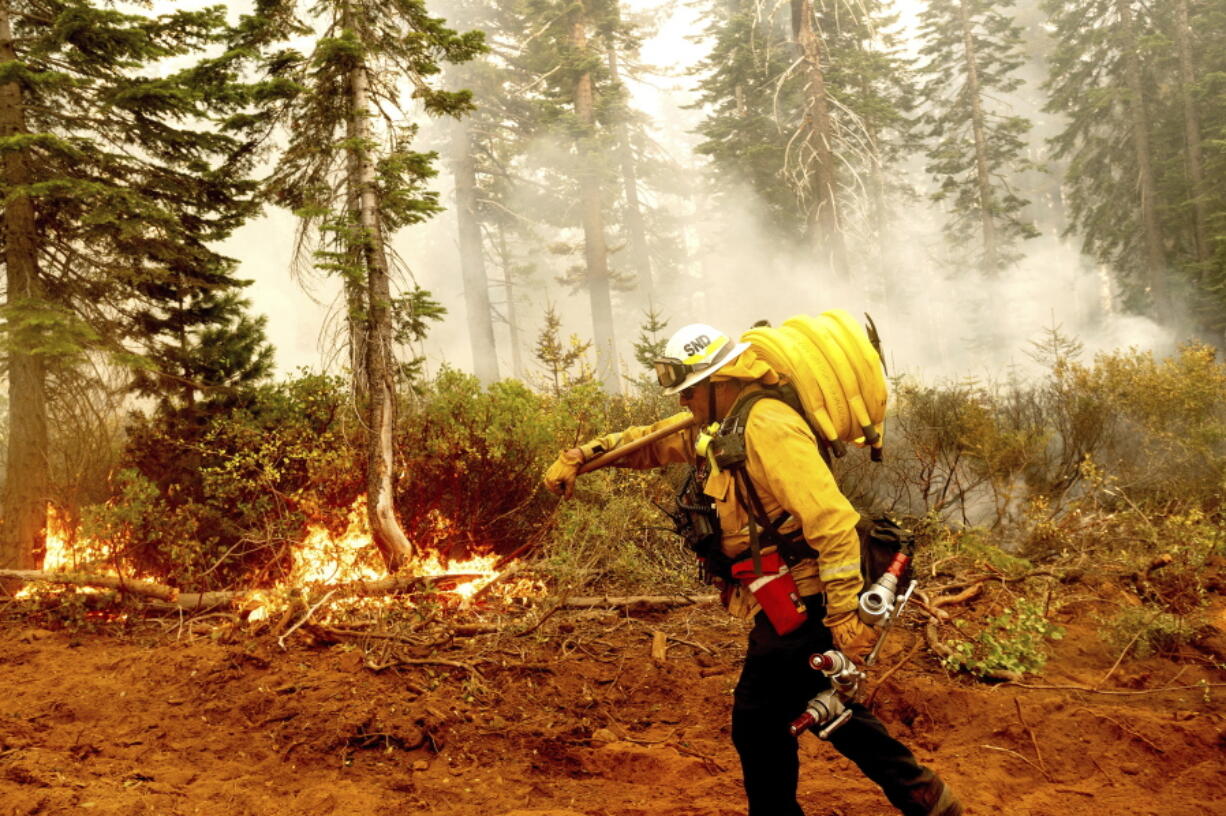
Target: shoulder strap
{"x": 747, "y": 494}
{"x": 739, "y": 415}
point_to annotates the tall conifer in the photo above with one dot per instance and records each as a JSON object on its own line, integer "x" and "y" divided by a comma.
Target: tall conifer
{"x": 971, "y": 51}
{"x": 351, "y": 175}
{"x": 116, "y": 178}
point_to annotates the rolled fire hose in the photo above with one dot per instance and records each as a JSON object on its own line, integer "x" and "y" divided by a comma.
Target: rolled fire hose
{"x": 609, "y": 457}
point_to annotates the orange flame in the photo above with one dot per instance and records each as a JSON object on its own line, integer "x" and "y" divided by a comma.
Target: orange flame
{"x": 320, "y": 560}
{"x": 59, "y": 553}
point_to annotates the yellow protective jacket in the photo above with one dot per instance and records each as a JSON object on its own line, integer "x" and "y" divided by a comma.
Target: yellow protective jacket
{"x": 787, "y": 471}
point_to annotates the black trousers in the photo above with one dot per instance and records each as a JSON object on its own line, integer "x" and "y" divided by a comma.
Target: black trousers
{"x": 774, "y": 687}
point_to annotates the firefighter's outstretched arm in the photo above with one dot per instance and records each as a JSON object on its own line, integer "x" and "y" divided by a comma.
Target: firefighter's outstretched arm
{"x": 664, "y": 442}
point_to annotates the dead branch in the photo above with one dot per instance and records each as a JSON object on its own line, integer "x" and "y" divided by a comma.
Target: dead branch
{"x": 1121, "y": 692}
{"x": 632, "y": 600}
{"x": 1025, "y": 759}
{"x": 872, "y": 695}
{"x": 473, "y": 629}
{"x": 1129, "y": 731}
{"x": 358, "y": 634}
{"x": 499, "y": 578}
{"x": 1119, "y": 659}
{"x": 922, "y": 601}
{"x": 965, "y": 595}
{"x": 1038, "y": 755}
{"x": 691, "y": 644}
{"x": 996, "y": 575}
{"x": 541, "y": 619}
{"x": 303, "y": 619}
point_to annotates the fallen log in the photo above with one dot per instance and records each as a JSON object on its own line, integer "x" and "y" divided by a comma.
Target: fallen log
{"x": 131, "y": 586}
{"x": 167, "y": 598}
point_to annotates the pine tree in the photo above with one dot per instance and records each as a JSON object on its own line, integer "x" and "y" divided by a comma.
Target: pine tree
{"x": 213, "y": 351}
{"x": 578, "y": 52}
{"x": 649, "y": 346}
{"x": 472, "y": 253}
{"x": 804, "y": 102}
{"x": 1104, "y": 83}
{"x": 117, "y": 180}
{"x": 352, "y": 177}
{"x": 1189, "y": 63}
{"x": 558, "y": 357}
{"x": 972, "y": 50}
{"x": 750, "y": 109}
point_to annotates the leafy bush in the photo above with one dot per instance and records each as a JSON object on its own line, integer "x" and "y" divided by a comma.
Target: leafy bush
{"x": 210, "y": 504}
{"x": 1150, "y": 430}
{"x": 473, "y": 460}
{"x": 617, "y": 546}
{"x": 1013, "y": 641}
{"x": 1144, "y": 631}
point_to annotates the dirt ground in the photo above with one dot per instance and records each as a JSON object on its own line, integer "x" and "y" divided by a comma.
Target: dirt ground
{"x": 573, "y": 718}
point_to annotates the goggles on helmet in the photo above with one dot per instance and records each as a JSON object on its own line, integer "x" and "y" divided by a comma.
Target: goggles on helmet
{"x": 670, "y": 371}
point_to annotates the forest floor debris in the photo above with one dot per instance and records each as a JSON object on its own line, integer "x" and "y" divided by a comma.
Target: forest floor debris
{"x": 595, "y": 712}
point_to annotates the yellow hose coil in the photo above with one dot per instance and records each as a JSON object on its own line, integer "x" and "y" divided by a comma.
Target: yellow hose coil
{"x": 835, "y": 369}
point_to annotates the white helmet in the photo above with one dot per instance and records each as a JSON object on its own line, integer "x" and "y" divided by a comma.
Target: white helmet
{"x": 692, "y": 354}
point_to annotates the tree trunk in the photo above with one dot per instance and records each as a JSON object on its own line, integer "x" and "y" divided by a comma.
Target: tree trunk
{"x": 393, "y": 545}
{"x": 1191, "y": 123}
{"x": 640, "y": 257}
{"x": 472, "y": 256}
{"x": 356, "y": 319}
{"x": 825, "y": 222}
{"x": 1155, "y": 252}
{"x": 991, "y": 259}
{"x": 27, "y": 475}
{"x": 512, "y": 316}
{"x": 596, "y": 251}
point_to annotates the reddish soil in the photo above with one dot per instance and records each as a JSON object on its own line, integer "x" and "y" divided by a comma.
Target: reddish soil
{"x": 572, "y": 719}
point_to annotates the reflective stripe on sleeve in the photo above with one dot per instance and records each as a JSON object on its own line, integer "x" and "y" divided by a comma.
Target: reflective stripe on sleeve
{"x": 845, "y": 569}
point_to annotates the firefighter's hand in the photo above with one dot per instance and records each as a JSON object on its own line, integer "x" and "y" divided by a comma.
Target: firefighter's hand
{"x": 851, "y": 636}
{"x": 560, "y": 478}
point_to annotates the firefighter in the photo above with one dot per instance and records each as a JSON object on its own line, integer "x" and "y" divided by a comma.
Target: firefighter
{"x": 712, "y": 376}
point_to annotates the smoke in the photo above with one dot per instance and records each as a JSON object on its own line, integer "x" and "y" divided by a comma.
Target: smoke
{"x": 938, "y": 319}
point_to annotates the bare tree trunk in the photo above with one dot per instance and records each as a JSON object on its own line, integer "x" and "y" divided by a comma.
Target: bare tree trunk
{"x": 824, "y": 219}
{"x": 472, "y": 256}
{"x": 596, "y": 251}
{"x": 1191, "y": 121}
{"x": 987, "y": 207}
{"x": 639, "y": 255}
{"x": 393, "y": 545}
{"x": 356, "y": 320}
{"x": 23, "y": 530}
{"x": 512, "y": 316}
{"x": 1155, "y": 252}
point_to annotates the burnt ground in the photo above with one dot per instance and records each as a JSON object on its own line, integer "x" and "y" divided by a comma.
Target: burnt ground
{"x": 164, "y": 717}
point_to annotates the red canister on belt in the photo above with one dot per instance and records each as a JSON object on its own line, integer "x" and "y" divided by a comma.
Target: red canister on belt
{"x": 774, "y": 590}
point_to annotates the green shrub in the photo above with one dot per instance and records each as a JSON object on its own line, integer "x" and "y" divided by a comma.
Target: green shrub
{"x": 1144, "y": 631}
{"x": 615, "y": 546}
{"x": 1013, "y": 641}
{"x": 207, "y": 503}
